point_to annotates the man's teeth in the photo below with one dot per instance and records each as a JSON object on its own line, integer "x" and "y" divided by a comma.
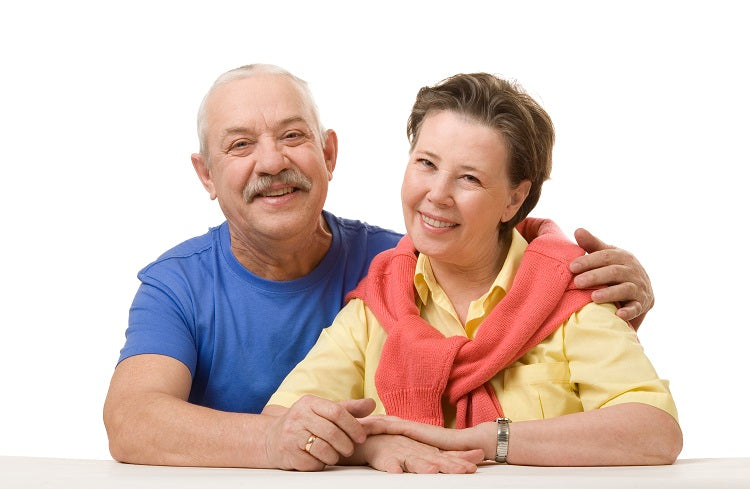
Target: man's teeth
{"x": 278, "y": 192}
{"x": 437, "y": 224}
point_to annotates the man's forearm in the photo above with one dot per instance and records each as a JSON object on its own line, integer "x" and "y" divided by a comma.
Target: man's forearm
{"x": 158, "y": 429}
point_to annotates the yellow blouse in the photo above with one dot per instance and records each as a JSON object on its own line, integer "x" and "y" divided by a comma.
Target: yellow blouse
{"x": 592, "y": 360}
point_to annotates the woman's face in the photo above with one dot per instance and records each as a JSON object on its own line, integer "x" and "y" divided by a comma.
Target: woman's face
{"x": 456, "y": 191}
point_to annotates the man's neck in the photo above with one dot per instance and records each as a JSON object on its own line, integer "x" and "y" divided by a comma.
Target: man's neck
{"x": 282, "y": 260}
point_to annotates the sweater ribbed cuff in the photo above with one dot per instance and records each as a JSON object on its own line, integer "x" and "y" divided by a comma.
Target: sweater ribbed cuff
{"x": 401, "y": 403}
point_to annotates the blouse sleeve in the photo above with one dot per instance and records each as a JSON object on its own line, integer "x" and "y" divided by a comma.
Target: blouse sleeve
{"x": 607, "y": 362}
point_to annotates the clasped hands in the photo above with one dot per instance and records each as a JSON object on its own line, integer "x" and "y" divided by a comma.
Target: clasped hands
{"x": 315, "y": 432}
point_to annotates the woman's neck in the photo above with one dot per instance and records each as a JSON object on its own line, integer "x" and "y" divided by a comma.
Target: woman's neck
{"x": 465, "y": 284}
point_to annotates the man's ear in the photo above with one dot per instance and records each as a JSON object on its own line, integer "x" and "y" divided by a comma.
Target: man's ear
{"x": 515, "y": 200}
{"x": 199, "y": 164}
{"x": 331, "y": 151}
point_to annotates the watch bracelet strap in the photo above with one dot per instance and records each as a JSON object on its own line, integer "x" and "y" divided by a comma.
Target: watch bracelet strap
{"x": 503, "y": 438}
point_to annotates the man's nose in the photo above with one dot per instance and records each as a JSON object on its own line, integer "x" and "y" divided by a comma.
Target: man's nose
{"x": 270, "y": 157}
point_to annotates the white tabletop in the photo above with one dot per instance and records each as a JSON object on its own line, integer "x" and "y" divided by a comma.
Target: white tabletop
{"x": 29, "y": 472}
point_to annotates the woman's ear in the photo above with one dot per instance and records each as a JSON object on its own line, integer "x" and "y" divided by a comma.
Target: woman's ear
{"x": 515, "y": 200}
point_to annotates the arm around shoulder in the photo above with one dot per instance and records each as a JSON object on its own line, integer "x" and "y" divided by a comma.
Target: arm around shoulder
{"x": 624, "y": 278}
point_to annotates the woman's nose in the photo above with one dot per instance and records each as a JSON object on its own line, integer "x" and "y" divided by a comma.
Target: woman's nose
{"x": 441, "y": 191}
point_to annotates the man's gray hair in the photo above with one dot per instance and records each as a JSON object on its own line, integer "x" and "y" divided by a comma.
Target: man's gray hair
{"x": 246, "y": 72}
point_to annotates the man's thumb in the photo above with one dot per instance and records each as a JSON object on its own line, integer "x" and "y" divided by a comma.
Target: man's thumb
{"x": 359, "y": 408}
{"x": 589, "y": 242}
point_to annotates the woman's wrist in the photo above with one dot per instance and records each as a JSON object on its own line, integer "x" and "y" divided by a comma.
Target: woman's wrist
{"x": 485, "y": 437}
{"x": 503, "y": 440}
{"x": 358, "y": 457}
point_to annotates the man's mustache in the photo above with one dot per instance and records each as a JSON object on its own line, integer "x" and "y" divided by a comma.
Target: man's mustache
{"x": 289, "y": 177}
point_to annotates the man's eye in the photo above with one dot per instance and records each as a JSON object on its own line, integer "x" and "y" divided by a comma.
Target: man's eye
{"x": 241, "y": 147}
{"x": 239, "y": 144}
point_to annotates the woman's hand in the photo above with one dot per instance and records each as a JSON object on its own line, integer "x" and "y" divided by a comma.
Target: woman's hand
{"x": 397, "y": 454}
{"x": 481, "y": 437}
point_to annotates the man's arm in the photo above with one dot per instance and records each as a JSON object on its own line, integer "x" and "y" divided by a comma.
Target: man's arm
{"x": 149, "y": 421}
{"x": 627, "y": 281}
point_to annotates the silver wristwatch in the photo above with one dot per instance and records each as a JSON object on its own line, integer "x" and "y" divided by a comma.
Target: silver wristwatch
{"x": 503, "y": 437}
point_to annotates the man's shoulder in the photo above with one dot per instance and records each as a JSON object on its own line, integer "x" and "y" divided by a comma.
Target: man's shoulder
{"x": 353, "y": 230}
{"x": 189, "y": 250}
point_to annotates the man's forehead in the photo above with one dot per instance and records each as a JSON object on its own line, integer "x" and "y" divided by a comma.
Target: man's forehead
{"x": 263, "y": 94}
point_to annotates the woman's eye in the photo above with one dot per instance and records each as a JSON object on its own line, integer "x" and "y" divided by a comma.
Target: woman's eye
{"x": 471, "y": 179}
{"x": 426, "y": 163}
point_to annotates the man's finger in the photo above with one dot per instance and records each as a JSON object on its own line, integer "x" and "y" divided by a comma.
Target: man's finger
{"x": 336, "y": 425}
{"x": 359, "y": 408}
{"x": 624, "y": 292}
{"x": 606, "y": 275}
{"x": 629, "y": 311}
{"x": 323, "y": 451}
{"x": 340, "y": 440}
{"x": 589, "y": 242}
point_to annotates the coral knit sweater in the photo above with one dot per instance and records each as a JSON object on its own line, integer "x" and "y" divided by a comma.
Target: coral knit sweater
{"x": 418, "y": 365}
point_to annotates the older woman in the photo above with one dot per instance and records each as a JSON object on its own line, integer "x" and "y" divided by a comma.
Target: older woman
{"x": 473, "y": 321}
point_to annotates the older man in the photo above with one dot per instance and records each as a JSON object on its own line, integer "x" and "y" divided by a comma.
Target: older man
{"x": 220, "y": 319}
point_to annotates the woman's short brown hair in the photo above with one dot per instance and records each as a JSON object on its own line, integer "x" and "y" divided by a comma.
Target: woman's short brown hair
{"x": 506, "y": 107}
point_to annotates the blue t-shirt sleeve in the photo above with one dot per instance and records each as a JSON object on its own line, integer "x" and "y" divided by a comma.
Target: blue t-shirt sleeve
{"x": 160, "y": 323}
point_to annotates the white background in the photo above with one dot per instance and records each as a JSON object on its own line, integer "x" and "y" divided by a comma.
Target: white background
{"x": 97, "y": 123}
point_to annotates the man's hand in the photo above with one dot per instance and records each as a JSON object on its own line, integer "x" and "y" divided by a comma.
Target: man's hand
{"x": 397, "y": 454}
{"x": 627, "y": 281}
{"x": 328, "y": 429}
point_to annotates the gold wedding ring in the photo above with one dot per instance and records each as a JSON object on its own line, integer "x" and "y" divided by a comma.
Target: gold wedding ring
{"x": 309, "y": 443}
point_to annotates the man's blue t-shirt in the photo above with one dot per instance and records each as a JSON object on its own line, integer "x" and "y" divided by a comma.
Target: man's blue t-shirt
{"x": 240, "y": 334}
